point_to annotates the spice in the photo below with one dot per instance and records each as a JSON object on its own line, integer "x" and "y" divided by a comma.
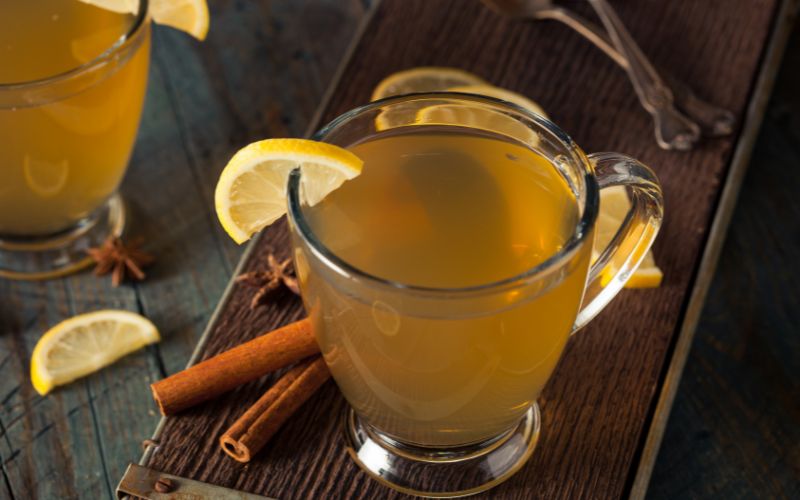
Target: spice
{"x": 266, "y": 282}
{"x": 262, "y": 420}
{"x": 119, "y": 259}
{"x": 230, "y": 369}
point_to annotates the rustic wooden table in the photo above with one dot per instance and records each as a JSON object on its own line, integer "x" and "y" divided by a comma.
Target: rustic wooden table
{"x": 262, "y": 72}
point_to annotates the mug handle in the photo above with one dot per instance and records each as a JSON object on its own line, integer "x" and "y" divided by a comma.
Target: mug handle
{"x": 628, "y": 247}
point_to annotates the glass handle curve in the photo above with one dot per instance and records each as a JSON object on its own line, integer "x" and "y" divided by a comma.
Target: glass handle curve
{"x": 628, "y": 247}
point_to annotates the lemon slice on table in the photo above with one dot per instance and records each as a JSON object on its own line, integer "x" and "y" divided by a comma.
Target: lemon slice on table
{"x": 614, "y": 205}
{"x": 190, "y": 16}
{"x": 504, "y": 94}
{"x": 251, "y": 191}
{"x": 483, "y": 118}
{"x": 424, "y": 79}
{"x": 85, "y": 343}
{"x": 421, "y": 79}
{"x": 462, "y": 115}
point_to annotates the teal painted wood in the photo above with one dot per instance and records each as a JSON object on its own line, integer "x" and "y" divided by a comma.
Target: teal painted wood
{"x": 260, "y": 73}
{"x": 734, "y": 431}
{"x": 53, "y": 441}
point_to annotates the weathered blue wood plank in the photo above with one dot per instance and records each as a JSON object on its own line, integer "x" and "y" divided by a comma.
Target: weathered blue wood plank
{"x": 51, "y": 441}
{"x": 118, "y": 404}
{"x": 191, "y": 271}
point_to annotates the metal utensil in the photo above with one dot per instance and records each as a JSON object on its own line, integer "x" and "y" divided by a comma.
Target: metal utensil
{"x": 673, "y": 129}
{"x": 713, "y": 120}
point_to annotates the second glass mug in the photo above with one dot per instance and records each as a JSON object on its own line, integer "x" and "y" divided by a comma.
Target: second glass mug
{"x": 66, "y": 139}
{"x": 400, "y": 352}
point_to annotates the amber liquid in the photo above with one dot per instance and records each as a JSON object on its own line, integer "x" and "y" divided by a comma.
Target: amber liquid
{"x": 444, "y": 209}
{"x": 62, "y": 157}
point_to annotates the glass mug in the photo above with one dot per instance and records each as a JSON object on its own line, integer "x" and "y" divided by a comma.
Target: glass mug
{"x": 442, "y": 382}
{"x": 67, "y": 129}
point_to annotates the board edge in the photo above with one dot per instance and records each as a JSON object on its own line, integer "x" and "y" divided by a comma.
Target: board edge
{"x": 762, "y": 90}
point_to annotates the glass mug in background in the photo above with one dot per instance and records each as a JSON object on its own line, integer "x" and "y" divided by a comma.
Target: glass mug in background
{"x": 72, "y": 86}
{"x": 444, "y": 281}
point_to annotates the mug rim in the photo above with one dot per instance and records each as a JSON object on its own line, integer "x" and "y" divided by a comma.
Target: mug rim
{"x": 118, "y": 46}
{"x": 579, "y": 234}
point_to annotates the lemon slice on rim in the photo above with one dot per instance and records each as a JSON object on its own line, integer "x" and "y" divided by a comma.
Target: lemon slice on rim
{"x": 85, "y": 343}
{"x": 190, "y": 16}
{"x": 251, "y": 191}
{"x": 120, "y": 6}
{"x": 614, "y": 205}
{"x": 424, "y": 79}
{"x": 503, "y": 94}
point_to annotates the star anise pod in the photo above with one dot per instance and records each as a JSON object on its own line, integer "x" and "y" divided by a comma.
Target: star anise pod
{"x": 266, "y": 282}
{"x": 120, "y": 259}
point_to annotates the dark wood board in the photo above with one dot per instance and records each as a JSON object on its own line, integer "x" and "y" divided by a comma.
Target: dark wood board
{"x": 596, "y": 410}
{"x": 734, "y": 430}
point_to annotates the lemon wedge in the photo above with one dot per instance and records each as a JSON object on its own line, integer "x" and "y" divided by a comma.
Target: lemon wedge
{"x": 251, "y": 191}
{"x": 424, "y": 79}
{"x": 190, "y": 16}
{"x": 614, "y": 206}
{"x": 503, "y": 94}
{"x": 119, "y": 6}
{"x": 85, "y": 343}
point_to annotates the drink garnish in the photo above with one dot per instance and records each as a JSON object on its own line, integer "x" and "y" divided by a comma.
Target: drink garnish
{"x": 120, "y": 259}
{"x": 190, "y": 16}
{"x": 86, "y": 343}
{"x": 500, "y": 93}
{"x": 279, "y": 275}
{"x": 614, "y": 205}
{"x": 251, "y": 191}
{"x": 424, "y": 79}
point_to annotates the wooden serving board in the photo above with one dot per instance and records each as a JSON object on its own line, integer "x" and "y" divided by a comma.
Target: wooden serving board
{"x": 605, "y": 408}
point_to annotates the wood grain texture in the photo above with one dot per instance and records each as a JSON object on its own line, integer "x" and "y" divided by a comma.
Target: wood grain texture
{"x": 734, "y": 431}
{"x": 204, "y": 102}
{"x": 55, "y": 443}
{"x": 596, "y": 407}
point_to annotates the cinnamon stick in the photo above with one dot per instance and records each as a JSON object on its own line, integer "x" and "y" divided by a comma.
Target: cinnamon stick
{"x": 262, "y": 420}
{"x": 230, "y": 369}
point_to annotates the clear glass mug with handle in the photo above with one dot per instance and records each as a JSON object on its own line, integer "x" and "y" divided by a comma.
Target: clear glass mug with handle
{"x": 67, "y": 130}
{"x": 442, "y": 382}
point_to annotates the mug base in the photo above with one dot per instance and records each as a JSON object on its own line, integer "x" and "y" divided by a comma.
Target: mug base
{"x": 442, "y": 473}
{"x": 49, "y": 257}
